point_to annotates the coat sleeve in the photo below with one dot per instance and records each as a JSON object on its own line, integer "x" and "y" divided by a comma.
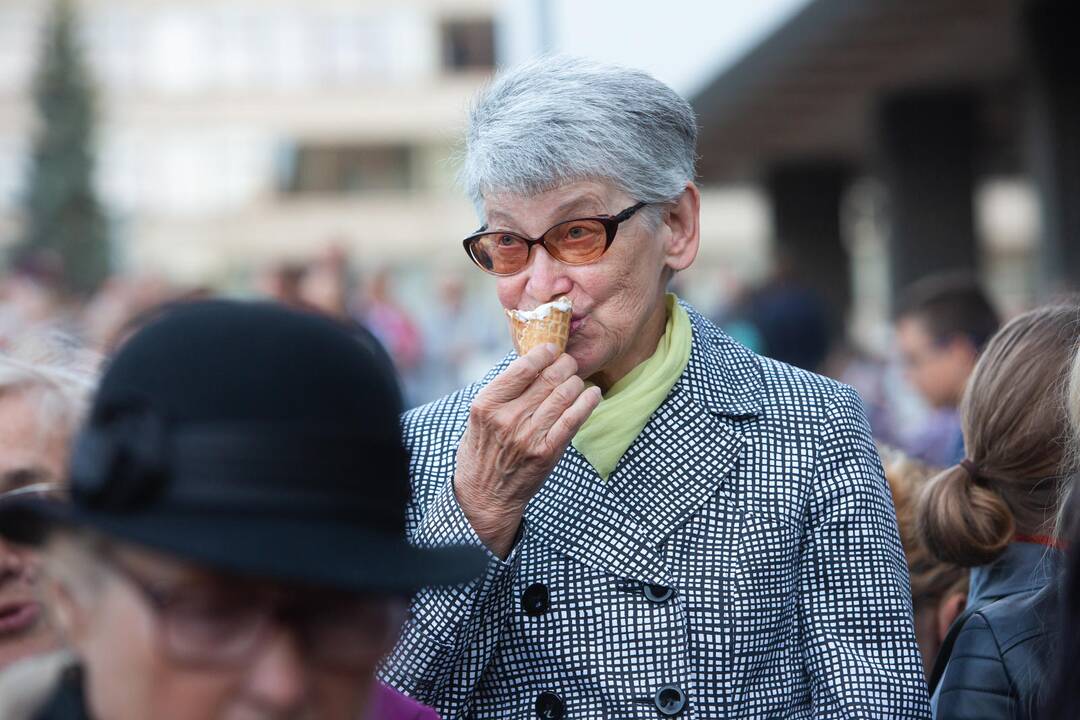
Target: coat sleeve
{"x": 854, "y": 595}
{"x": 450, "y": 633}
{"x": 975, "y": 685}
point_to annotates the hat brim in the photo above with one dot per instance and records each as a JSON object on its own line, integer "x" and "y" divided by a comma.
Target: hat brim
{"x": 327, "y": 554}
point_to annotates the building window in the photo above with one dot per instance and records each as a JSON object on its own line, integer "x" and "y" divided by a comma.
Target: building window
{"x": 468, "y": 45}
{"x": 347, "y": 169}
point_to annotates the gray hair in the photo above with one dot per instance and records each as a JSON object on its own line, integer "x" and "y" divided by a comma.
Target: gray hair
{"x": 61, "y": 380}
{"x": 562, "y": 119}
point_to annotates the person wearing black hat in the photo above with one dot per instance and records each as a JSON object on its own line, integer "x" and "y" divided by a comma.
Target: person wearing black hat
{"x": 235, "y": 546}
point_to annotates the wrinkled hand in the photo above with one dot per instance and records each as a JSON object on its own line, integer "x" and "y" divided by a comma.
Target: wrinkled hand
{"x": 519, "y": 427}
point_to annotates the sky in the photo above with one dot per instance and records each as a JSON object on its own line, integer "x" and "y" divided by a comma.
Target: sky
{"x": 684, "y": 43}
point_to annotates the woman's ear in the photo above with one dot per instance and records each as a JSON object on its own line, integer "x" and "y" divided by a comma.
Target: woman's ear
{"x": 683, "y": 221}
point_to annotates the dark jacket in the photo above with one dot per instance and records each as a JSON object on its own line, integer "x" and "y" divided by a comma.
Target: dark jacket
{"x": 67, "y": 702}
{"x": 998, "y": 662}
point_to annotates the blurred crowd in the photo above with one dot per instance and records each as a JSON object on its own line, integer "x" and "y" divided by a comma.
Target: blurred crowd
{"x": 443, "y": 342}
{"x": 445, "y": 335}
{"x": 212, "y": 508}
{"x": 971, "y": 483}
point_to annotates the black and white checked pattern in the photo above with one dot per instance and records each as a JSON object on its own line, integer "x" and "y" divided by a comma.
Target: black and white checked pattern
{"x": 754, "y": 491}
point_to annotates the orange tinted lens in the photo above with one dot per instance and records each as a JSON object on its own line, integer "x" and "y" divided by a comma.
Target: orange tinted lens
{"x": 500, "y": 253}
{"x": 577, "y": 241}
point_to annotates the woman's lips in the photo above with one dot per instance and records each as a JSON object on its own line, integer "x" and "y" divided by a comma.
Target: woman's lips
{"x": 17, "y": 618}
{"x": 575, "y": 323}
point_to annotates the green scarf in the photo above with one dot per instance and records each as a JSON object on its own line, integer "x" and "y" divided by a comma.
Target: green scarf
{"x": 628, "y": 404}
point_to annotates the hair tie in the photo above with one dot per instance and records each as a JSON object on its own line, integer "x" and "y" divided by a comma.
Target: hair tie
{"x": 972, "y": 469}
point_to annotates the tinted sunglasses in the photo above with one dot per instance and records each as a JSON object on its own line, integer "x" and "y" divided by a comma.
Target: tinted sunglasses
{"x": 574, "y": 242}
{"x": 36, "y": 491}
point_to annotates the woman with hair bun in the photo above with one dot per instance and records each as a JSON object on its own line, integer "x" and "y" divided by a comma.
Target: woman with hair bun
{"x": 995, "y": 512}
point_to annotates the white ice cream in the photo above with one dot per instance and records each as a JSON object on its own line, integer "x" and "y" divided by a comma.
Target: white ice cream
{"x": 542, "y": 312}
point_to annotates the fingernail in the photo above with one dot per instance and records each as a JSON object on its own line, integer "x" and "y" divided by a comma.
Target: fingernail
{"x": 552, "y": 348}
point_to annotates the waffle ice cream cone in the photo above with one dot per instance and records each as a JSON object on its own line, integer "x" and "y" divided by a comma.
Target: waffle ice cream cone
{"x": 549, "y": 323}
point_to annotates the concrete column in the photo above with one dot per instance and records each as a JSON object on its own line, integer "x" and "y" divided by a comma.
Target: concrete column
{"x": 1053, "y": 125}
{"x": 805, "y": 198}
{"x": 927, "y": 142}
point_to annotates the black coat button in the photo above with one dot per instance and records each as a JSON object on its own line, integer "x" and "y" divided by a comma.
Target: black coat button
{"x": 658, "y": 593}
{"x": 550, "y": 706}
{"x": 670, "y": 700}
{"x": 536, "y": 600}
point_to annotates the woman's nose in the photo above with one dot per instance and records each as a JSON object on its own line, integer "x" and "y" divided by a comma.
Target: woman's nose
{"x": 278, "y": 679}
{"x": 547, "y": 276}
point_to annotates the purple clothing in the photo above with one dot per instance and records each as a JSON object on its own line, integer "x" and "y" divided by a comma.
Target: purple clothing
{"x": 940, "y": 441}
{"x": 389, "y": 704}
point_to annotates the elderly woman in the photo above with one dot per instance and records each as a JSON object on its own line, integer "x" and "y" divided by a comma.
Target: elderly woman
{"x": 677, "y": 526}
{"x": 41, "y": 402}
{"x": 234, "y": 544}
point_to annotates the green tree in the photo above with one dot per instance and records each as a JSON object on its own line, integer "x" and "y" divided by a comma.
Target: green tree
{"x": 64, "y": 223}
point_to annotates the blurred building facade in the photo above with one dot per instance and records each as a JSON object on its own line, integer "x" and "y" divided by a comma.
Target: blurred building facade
{"x": 235, "y": 132}
{"x": 899, "y": 138}
{"x": 240, "y": 139}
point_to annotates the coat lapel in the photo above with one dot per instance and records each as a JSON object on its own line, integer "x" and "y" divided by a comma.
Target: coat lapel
{"x": 692, "y": 443}
{"x": 680, "y": 460}
{"x": 577, "y": 514}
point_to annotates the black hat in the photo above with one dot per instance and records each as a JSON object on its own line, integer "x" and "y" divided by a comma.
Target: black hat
{"x": 253, "y": 439}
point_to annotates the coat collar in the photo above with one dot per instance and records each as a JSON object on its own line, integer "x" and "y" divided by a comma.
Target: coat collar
{"x": 1022, "y": 567}
{"x": 684, "y": 455}
{"x": 722, "y": 375}
{"x": 39, "y": 688}
{"x": 68, "y": 701}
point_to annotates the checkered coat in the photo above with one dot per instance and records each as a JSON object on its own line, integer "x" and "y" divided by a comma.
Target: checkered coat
{"x": 754, "y": 493}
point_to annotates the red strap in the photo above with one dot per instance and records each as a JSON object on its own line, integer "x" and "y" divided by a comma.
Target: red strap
{"x": 1048, "y": 541}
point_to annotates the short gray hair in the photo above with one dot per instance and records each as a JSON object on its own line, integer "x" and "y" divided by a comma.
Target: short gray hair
{"x": 60, "y": 376}
{"x": 562, "y": 119}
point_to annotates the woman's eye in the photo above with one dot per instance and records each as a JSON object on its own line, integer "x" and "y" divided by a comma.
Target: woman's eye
{"x": 507, "y": 240}
{"x": 576, "y": 233}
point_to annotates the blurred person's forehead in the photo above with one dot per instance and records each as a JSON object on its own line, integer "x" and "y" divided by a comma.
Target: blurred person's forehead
{"x": 912, "y": 330}
{"x": 30, "y": 450}
{"x": 171, "y": 571}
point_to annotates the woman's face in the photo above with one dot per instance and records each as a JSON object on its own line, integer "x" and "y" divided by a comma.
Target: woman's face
{"x": 619, "y": 312}
{"x": 29, "y": 454}
{"x": 130, "y": 650}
